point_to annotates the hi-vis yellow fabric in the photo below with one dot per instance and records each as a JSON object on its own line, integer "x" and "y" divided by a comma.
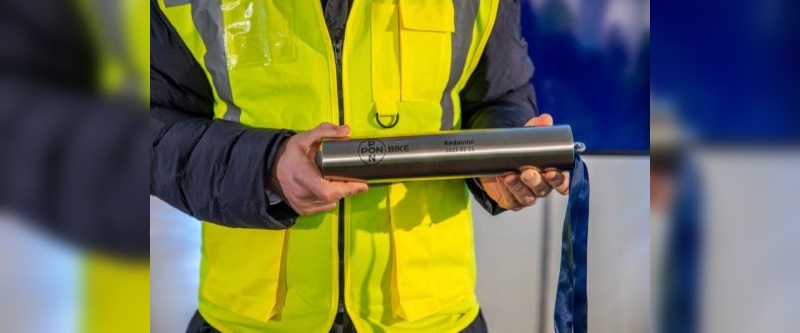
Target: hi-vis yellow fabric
{"x": 409, "y": 257}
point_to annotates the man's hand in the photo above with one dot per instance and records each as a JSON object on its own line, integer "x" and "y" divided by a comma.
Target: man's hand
{"x": 515, "y": 191}
{"x": 297, "y": 179}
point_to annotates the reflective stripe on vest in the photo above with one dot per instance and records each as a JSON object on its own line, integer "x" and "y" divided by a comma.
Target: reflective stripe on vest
{"x": 207, "y": 18}
{"x": 409, "y": 256}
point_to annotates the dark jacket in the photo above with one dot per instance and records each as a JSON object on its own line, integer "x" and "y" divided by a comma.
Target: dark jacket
{"x": 72, "y": 160}
{"x": 218, "y": 171}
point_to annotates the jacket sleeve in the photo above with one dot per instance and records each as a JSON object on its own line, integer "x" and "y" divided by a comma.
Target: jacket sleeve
{"x": 499, "y": 93}
{"x": 211, "y": 169}
{"x": 72, "y": 161}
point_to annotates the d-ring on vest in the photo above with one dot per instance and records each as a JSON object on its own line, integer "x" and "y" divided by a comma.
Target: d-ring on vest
{"x": 392, "y": 123}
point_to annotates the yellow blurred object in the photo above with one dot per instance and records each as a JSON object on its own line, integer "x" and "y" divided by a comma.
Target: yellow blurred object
{"x": 117, "y": 295}
{"x": 122, "y": 45}
{"x": 117, "y": 290}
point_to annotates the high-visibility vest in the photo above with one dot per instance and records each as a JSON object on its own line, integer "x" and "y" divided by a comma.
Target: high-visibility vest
{"x": 409, "y": 263}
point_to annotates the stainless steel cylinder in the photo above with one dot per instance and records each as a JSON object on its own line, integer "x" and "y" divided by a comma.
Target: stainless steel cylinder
{"x": 455, "y": 154}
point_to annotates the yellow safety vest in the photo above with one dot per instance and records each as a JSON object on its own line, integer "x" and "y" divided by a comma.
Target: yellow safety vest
{"x": 408, "y": 257}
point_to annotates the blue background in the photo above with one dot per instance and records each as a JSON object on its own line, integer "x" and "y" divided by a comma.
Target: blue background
{"x": 729, "y": 69}
{"x": 592, "y": 60}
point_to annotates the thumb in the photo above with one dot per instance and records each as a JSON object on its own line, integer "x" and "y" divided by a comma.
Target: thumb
{"x": 542, "y": 120}
{"x": 327, "y": 130}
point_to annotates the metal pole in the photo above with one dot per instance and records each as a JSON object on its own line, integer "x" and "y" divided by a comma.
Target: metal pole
{"x": 545, "y": 267}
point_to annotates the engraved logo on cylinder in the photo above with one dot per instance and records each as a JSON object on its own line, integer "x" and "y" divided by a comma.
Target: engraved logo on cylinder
{"x": 371, "y": 152}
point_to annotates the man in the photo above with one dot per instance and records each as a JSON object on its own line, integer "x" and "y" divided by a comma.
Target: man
{"x": 239, "y": 154}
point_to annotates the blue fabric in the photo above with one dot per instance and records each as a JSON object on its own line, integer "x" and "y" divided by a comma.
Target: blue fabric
{"x": 682, "y": 269}
{"x": 570, "y": 310}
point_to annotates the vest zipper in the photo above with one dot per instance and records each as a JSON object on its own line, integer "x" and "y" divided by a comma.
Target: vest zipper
{"x": 337, "y": 54}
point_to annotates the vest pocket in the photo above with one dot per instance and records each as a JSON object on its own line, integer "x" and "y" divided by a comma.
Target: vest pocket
{"x": 244, "y": 270}
{"x": 426, "y": 27}
{"x": 410, "y": 51}
{"x": 432, "y": 252}
{"x": 258, "y": 33}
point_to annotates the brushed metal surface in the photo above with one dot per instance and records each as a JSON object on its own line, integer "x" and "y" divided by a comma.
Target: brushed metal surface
{"x": 454, "y": 154}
